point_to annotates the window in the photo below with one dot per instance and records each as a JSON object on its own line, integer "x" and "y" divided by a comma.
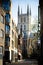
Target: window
{"x": 39, "y": 28}
{"x": 7, "y": 28}
{"x": 6, "y": 5}
{"x": 1, "y": 33}
{"x": 21, "y": 26}
{"x": 1, "y": 18}
{"x": 7, "y": 39}
{"x": 39, "y": 24}
{"x": 24, "y": 19}
{"x": 39, "y": 41}
{"x": 24, "y": 27}
{"x": 21, "y": 19}
{"x": 21, "y": 29}
{"x": 25, "y": 35}
{"x": 7, "y": 17}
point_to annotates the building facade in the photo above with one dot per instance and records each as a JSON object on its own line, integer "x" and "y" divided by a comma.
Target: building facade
{"x": 39, "y": 25}
{"x": 16, "y": 43}
{"x": 10, "y": 32}
{"x": 41, "y": 31}
{"x": 24, "y": 22}
{"x": 13, "y": 41}
{"x": 2, "y": 34}
{"x": 7, "y": 7}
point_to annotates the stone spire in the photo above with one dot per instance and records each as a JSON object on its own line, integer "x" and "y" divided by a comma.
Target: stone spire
{"x": 27, "y": 9}
{"x": 30, "y": 11}
{"x": 21, "y": 10}
{"x": 18, "y": 10}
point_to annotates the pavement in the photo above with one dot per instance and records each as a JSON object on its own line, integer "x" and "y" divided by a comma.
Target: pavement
{"x": 23, "y": 62}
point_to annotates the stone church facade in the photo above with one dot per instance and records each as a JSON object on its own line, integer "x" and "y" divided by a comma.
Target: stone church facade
{"x": 24, "y": 22}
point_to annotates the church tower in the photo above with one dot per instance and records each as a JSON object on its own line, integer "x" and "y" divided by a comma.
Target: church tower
{"x": 23, "y": 27}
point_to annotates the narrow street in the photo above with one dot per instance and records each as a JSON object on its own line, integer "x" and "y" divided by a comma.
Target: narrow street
{"x": 32, "y": 62}
{"x": 21, "y": 32}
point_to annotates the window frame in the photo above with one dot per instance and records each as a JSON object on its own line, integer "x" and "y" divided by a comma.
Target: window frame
{"x": 2, "y": 33}
{"x": 1, "y": 18}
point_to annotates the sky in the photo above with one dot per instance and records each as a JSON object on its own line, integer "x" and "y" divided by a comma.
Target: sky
{"x": 33, "y": 4}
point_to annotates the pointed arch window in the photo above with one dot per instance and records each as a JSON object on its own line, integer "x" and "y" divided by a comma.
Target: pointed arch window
{"x": 21, "y": 26}
{"x": 24, "y": 19}
{"x": 21, "y": 19}
{"x": 24, "y": 27}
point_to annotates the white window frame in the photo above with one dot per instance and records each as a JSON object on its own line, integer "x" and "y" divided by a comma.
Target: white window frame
{"x": 1, "y": 33}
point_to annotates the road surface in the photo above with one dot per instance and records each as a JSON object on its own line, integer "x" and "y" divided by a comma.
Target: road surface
{"x": 24, "y": 63}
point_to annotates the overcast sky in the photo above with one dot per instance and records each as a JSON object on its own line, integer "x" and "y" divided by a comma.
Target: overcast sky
{"x": 23, "y": 4}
